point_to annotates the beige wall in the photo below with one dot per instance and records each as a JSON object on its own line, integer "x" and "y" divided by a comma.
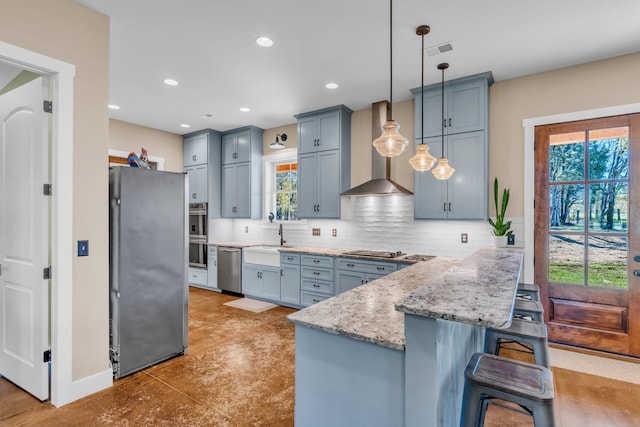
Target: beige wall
{"x": 584, "y": 87}
{"x": 69, "y": 32}
{"x": 128, "y": 137}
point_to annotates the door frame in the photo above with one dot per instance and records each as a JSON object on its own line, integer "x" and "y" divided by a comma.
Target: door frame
{"x": 61, "y": 74}
{"x": 529, "y": 167}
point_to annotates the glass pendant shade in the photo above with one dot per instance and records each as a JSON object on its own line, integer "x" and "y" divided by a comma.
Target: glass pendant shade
{"x": 423, "y": 160}
{"x": 442, "y": 170}
{"x": 391, "y": 143}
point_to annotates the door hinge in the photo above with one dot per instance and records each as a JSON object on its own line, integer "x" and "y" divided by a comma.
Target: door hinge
{"x": 46, "y": 356}
{"x": 46, "y": 273}
{"x": 47, "y": 106}
{"x": 46, "y": 189}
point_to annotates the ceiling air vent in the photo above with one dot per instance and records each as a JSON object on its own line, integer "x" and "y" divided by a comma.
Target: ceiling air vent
{"x": 441, "y": 48}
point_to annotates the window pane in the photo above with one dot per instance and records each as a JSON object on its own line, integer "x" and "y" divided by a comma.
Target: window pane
{"x": 608, "y": 153}
{"x": 566, "y": 207}
{"x": 608, "y": 261}
{"x": 566, "y": 259}
{"x": 608, "y": 207}
{"x": 294, "y": 181}
{"x": 566, "y": 157}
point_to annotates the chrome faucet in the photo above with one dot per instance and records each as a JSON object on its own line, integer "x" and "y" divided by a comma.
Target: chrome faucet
{"x": 281, "y": 234}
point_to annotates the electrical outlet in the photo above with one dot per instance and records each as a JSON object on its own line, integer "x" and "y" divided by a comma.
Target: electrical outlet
{"x": 334, "y": 232}
{"x": 246, "y": 228}
{"x": 83, "y": 248}
{"x": 464, "y": 238}
{"x": 315, "y": 231}
{"x": 511, "y": 239}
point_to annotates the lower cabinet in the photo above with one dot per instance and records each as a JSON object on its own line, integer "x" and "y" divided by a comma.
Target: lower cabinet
{"x": 261, "y": 281}
{"x": 197, "y": 276}
{"x": 290, "y": 279}
{"x": 212, "y": 267}
{"x": 352, "y": 273}
{"x": 316, "y": 279}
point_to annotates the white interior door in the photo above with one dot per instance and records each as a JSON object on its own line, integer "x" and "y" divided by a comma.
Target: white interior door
{"x": 24, "y": 238}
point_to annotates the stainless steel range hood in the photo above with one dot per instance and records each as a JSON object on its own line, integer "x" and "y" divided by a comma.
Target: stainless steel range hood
{"x": 380, "y": 183}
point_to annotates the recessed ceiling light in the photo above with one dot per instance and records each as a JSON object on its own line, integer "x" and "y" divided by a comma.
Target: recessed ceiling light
{"x": 264, "y": 41}
{"x": 114, "y": 107}
{"x": 331, "y": 85}
{"x": 184, "y": 125}
{"x": 245, "y": 109}
{"x": 170, "y": 82}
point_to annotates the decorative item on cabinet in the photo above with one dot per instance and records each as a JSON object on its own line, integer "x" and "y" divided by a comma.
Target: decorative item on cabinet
{"x": 391, "y": 143}
{"x": 324, "y": 161}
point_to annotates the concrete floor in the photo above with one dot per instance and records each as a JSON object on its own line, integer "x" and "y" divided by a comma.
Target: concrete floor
{"x": 240, "y": 372}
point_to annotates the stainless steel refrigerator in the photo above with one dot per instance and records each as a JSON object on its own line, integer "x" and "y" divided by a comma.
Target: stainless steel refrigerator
{"x": 148, "y": 256}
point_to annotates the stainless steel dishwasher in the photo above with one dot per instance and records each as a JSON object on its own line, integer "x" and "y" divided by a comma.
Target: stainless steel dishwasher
{"x": 230, "y": 269}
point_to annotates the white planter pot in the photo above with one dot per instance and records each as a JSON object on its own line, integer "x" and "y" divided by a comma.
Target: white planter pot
{"x": 499, "y": 241}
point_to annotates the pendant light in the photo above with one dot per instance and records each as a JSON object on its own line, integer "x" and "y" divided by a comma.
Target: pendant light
{"x": 391, "y": 143}
{"x": 442, "y": 170}
{"x": 423, "y": 160}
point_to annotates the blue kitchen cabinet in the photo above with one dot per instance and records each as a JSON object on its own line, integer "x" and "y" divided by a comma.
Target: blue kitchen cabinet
{"x": 196, "y": 149}
{"x": 290, "y": 279}
{"x": 212, "y": 267}
{"x": 465, "y": 194}
{"x": 198, "y": 185}
{"x": 202, "y": 163}
{"x": 261, "y": 281}
{"x": 242, "y": 173}
{"x": 466, "y": 119}
{"x": 351, "y": 273}
{"x": 324, "y": 161}
{"x": 316, "y": 279}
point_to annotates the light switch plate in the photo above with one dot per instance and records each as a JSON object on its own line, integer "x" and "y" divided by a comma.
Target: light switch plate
{"x": 315, "y": 231}
{"x": 464, "y": 238}
{"x": 83, "y": 248}
{"x": 334, "y": 232}
{"x": 511, "y": 240}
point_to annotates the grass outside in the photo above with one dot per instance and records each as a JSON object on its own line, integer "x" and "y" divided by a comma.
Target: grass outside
{"x": 609, "y": 275}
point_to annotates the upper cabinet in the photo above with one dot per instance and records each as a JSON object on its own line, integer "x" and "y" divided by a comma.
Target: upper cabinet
{"x": 465, "y": 106}
{"x": 466, "y": 123}
{"x": 196, "y": 149}
{"x": 242, "y": 173}
{"x": 202, "y": 164}
{"x": 324, "y": 161}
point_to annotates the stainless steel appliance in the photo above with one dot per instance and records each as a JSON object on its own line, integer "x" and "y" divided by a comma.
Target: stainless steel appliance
{"x": 148, "y": 291}
{"x": 230, "y": 269}
{"x": 198, "y": 235}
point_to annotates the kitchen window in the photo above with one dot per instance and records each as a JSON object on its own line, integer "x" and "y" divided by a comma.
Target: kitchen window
{"x": 286, "y": 191}
{"x": 280, "y": 183}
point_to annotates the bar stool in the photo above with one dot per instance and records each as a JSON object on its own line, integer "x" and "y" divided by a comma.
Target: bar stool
{"x": 529, "y": 337}
{"x": 528, "y": 292}
{"x": 488, "y": 377}
{"x": 528, "y": 310}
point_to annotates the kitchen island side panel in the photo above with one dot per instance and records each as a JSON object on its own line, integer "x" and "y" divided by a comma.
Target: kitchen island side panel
{"x": 341, "y": 382}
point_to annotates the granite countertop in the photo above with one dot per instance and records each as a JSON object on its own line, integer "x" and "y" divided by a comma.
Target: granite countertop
{"x": 367, "y": 313}
{"x": 480, "y": 290}
{"x": 235, "y": 244}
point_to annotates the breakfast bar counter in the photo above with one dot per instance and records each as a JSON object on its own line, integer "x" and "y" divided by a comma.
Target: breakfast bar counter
{"x": 393, "y": 351}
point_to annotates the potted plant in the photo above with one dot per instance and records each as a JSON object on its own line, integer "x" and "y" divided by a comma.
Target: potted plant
{"x": 499, "y": 228}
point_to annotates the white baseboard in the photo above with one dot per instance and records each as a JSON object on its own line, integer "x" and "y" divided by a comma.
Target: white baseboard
{"x": 85, "y": 387}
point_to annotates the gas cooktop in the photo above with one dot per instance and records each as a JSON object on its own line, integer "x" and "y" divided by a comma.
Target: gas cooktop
{"x": 376, "y": 254}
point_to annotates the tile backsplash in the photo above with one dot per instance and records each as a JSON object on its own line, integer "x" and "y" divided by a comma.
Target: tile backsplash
{"x": 375, "y": 223}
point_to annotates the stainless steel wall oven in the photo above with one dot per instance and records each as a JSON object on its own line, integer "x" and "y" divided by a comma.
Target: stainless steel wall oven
{"x": 198, "y": 235}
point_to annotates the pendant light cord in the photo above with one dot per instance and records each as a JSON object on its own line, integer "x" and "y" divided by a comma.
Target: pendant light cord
{"x": 442, "y": 154}
{"x": 390, "y": 59}
{"x": 422, "y": 95}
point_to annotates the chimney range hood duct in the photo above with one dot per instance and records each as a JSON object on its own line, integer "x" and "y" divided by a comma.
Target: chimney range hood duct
{"x": 380, "y": 183}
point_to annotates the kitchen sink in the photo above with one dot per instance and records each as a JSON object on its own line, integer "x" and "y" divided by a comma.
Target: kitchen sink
{"x": 262, "y": 255}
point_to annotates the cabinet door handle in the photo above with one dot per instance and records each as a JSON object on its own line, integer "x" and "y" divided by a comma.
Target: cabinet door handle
{"x": 317, "y": 261}
{"x": 194, "y": 195}
{"x": 444, "y": 206}
{"x": 445, "y": 122}
{"x": 380, "y": 268}
{"x": 449, "y": 121}
{"x": 316, "y": 273}
{"x": 318, "y": 208}
{"x": 281, "y": 272}
{"x": 351, "y": 265}
{"x": 194, "y": 157}
{"x": 449, "y": 206}
{"x": 316, "y": 300}
{"x": 315, "y": 285}
{"x": 215, "y": 263}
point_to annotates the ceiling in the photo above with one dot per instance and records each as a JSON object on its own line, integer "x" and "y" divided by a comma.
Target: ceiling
{"x": 209, "y": 48}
